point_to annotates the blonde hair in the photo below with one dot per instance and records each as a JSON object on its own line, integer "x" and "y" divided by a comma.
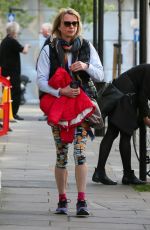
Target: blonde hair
{"x": 59, "y": 17}
{"x": 12, "y": 28}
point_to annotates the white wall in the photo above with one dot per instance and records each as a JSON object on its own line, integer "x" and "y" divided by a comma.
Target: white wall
{"x": 111, "y": 37}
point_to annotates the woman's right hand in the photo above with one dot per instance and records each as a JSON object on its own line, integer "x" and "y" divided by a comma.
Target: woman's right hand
{"x": 69, "y": 92}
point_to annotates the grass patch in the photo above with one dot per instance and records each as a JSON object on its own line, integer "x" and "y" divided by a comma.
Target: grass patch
{"x": 142, "y": 188}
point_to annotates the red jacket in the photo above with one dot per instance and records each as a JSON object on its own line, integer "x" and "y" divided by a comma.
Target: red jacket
{"x": 64, "y": 111}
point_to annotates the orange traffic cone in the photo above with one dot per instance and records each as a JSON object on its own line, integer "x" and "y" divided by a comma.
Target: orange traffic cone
{"x": 6, "y": 90}
{"x": 11, "y": 117}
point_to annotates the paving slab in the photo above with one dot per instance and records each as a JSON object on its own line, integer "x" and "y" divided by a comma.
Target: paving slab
{"x": 28, "y": 197}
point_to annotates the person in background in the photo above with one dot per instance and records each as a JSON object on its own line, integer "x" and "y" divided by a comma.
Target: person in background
{"x": 10, "y": 50}
{"x": 130, "y": 112}
{"x": 77, "y": 56}
{"x": 46, "y": 30}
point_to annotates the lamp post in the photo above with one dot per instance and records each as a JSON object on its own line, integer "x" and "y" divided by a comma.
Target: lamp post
{"x": 119, "y": 37}
{"x": 143, "y": 59}
{"x": 98, "y": 21}
{"x": 95, "y": 23}
{"x": 137, "y": 26}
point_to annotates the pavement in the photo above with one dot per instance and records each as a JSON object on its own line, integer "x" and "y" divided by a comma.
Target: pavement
{"x": 28, "y": 197}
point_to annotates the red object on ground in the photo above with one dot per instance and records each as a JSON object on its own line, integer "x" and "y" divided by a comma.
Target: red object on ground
{"x": 5, "y": 106}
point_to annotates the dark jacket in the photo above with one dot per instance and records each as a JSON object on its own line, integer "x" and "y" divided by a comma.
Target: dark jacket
{"x": 82, "y": 55}
{"x": 10, "y": 50}
{"x": 133, "y": 107}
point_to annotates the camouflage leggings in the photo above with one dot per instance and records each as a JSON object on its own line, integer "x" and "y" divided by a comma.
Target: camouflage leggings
{"x": 80, "y": 140}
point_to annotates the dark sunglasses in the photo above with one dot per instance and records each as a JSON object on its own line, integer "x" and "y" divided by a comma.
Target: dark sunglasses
{"x": 68, "y": 24}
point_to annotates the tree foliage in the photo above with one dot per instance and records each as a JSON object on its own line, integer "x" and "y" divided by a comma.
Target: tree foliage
{"x": 84, "y": 7}
{"x": 5, "y": 6}
{"x": 21, "y": 15}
